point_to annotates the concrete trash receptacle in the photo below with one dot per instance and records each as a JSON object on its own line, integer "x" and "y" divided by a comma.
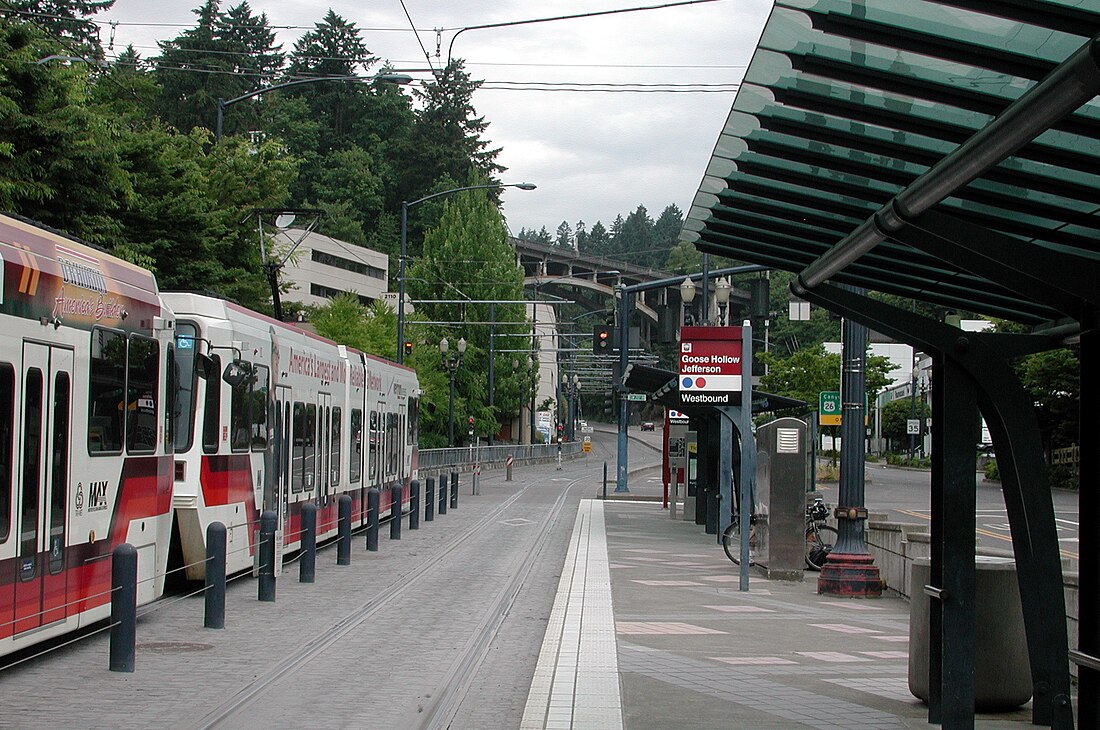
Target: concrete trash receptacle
{"x": 1002, "y": 671}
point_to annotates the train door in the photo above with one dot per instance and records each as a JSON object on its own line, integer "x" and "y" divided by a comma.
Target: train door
{"x": 41, "y": 498}
{"x": 377, "y": 446}
{"x": 324, "y": 450}
{"x": 280, "y": 473}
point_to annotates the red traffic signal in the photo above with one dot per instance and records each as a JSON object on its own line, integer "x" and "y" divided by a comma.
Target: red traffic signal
{"x": 470, "y": 420}
{"x": 408, "y": 347}
{"x": 601, "y": 339}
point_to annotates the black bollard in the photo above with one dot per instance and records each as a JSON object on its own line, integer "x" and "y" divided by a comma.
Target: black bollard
{"x": 454, "y": 490}
{"x": 605, "y": 481}
{"x": 414, "y": 504}
{"x": 343, "y": 550}
{"x": 307, "y": 564}
{"x": 123, "y": 607}
{"x": 372, "y": 519}
{"x": 265, "y": 583}
{"x": 215, "y": 576}
{"x": 442, "y": 494}
{"x": 429, "y": 499}
{"x": 396, "y": 492}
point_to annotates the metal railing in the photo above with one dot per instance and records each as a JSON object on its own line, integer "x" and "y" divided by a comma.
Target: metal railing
{"x": 467, "y": 456}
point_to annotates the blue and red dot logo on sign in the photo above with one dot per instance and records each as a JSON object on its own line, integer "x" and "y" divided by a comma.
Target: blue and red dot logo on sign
{"x": 689, "y": 382}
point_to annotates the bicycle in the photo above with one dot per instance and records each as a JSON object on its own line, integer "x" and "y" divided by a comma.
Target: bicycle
{"x": 820, "y": 537}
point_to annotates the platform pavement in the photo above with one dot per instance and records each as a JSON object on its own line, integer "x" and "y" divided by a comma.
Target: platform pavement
{"x": 693, "y": 651}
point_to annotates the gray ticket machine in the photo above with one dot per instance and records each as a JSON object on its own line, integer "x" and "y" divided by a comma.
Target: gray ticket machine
{"x": 782, "y": 456}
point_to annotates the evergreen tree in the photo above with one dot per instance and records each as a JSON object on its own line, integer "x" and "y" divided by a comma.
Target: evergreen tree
{"x": 67, "y": 21}
{"x": 564, "y": 237}
{"x": 597, "y": 242}
{"x": 224, "y": 56}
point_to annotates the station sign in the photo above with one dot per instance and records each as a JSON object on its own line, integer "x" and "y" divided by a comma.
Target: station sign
{"x": 710, "y": 365}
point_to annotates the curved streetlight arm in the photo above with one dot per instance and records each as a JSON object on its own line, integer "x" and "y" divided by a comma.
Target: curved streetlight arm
{"x": 521, "y": 186}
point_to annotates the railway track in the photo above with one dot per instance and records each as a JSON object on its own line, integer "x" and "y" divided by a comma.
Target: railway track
{"x": 443, "y": 700}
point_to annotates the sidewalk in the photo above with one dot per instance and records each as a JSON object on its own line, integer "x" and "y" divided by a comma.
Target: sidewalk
{"x": 694, "y": 651}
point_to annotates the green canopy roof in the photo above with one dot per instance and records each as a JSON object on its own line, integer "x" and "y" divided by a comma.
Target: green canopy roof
{"x": 859, "y": 119}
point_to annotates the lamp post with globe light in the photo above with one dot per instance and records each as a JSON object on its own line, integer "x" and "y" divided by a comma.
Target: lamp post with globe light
{"x": 451, "y": 362}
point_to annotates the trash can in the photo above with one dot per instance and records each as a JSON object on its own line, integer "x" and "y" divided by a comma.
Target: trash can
{"x": 1002, "y": 671}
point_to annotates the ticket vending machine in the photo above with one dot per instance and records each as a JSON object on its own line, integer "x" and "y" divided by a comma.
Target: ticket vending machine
{"x": 674, "y": 462}
{"x": 782, "y": 454}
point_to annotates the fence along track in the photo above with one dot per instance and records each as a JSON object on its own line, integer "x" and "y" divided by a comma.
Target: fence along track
{"x": 232, "y": 707}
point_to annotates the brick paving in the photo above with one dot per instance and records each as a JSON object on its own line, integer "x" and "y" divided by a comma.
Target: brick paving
{"x": 647, "y": 630}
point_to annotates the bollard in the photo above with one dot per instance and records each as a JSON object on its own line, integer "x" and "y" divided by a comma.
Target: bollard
{"x": 454, "y": 490}
{"x": 475, "y": 480}
{"x": 215, "y": 576}
{"x": 395, "y": 511}
{"x": 265, "y": 582}
{"x": 442, "y": 494}
{"x": 508, "y": 461}
{"x": 343, "y": 548}
{"x": 429, "y": 499}
{"x": 605, "y": 481}
{"x": 414, "y": 504}
{"x": 123, "y": 607}
{"x": 372, "y": 519}
{"x": 307, "y": 564}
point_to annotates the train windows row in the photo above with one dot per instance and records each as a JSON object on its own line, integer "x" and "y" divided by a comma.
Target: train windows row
{"x": 123, "y": 393}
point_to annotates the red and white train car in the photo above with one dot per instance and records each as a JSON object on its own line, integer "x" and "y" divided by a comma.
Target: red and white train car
{"x": 338, "y": 422}
{"x": 85, "y": 436}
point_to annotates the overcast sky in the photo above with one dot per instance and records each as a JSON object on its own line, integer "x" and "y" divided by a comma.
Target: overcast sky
{"x": 592, "y": 154}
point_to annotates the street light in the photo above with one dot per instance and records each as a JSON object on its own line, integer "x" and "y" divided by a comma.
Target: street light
{"x": 405, "y": 205}
{"x": 722, "y": 289}
{"x": 687, "y": 294}
{"x": 386, "y": 78}
{"x": 451, "y": 362}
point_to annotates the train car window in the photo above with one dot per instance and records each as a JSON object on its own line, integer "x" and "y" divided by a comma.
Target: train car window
{"x": 60, "y": 465}
{"x": 143, "y": 369}
{"x": 171, "y": 393}
{"x": 372, "y": 449}
{"x": 391, "y": 443}
{"x": 414, "y": 421}
{"x": 310, "y": 436}
{"x": 297, "y": 477}
{"x": 106, "y": 381}
{"x": 355, "y": 466}
{"x": 32, "y": 468}
{"x": 211, "y": 409}
{"x": 335, "y": 443}
{"x": 260, "y": 385}
{"x": 186, "y": 374}
{"x": 7, "y": 431}
{"x": 240, "y": 411}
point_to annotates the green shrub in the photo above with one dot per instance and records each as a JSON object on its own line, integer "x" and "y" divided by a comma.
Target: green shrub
{"x": 991, "y": 471}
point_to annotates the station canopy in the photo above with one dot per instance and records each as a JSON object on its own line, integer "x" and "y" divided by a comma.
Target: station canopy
{"x": 964, "y": 118}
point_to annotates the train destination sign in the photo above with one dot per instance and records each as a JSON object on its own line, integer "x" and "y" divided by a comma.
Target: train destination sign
{"x": 710, "y": 365}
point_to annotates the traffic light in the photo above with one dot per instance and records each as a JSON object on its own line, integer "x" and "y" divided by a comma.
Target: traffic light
{"x": 608, "y": 403}
{"x": 561, "y": 428}
{"x": 601, "y": 340}
{"x": 470, "y": 421}
{"x": 408, "y": 348}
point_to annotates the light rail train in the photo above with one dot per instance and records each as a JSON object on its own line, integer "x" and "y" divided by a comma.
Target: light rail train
{"x": 132, "y": 415}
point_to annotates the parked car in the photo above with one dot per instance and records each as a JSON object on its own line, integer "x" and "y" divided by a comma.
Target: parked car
{"x": 648, "y": 426}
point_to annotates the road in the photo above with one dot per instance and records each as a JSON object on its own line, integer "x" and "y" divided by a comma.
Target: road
{"x": 904, "y": 496}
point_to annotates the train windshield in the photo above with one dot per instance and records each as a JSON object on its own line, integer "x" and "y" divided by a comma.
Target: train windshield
{"x": 187, "y": 335}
